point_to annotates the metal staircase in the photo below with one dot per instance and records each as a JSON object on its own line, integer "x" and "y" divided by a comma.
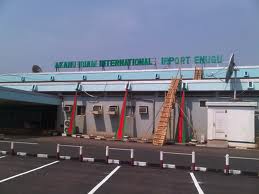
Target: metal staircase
{"x": 169, "y": 103}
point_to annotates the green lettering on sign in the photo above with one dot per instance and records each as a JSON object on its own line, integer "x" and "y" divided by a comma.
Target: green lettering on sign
{"x": 171, "y": 60}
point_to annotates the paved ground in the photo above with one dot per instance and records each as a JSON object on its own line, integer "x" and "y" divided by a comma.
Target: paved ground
{"x": 40, "y": 175}
{"x": 206, "y": 157}
{"x": 74, "y": 177}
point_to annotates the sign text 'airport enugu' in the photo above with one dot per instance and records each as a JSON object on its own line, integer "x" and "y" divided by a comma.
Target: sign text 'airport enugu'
{"x": 171, "y": 60}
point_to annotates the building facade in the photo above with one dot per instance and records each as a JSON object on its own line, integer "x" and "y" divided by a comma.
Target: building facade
{"x": 100, "y": 96}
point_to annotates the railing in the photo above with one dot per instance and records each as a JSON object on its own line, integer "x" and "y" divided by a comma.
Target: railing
{"x": 108, "y": 160}
{"x": 164, "y": 165}
{"x": 69, "y": 157}
{"x": 227, "y": 169}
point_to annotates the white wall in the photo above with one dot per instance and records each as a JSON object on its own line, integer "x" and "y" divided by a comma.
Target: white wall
{"x": 240, "y": 124}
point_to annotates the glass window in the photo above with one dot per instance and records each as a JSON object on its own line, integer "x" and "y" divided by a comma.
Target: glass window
{"x": 80, "y": 110}
{"x": 203, "y": 103}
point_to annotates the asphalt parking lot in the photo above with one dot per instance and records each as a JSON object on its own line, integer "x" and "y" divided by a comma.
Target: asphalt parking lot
{"x": 36, "y": 175}
{"x": 26, "y": 174}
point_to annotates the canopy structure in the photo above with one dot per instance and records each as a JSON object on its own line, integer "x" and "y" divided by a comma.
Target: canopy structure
{"x": 9, "y": 95}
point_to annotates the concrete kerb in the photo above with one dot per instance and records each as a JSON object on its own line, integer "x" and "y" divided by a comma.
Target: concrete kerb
{"x": 143, "y": 164}
{"x": 132, "y": 162}
{"x": 14, "y": 153}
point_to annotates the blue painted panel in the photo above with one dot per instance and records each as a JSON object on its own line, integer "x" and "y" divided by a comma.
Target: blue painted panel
{"x": 20, "y": 87}
{"x": 221, "y": 86}
{"x": 115, "y": 87}
{"x": 149, "y": 87}
{"x": 136, "y": 75}
{"x": 10, "y": 78}
{"x": 23, "y": 96}
{"x": 221, "y": 73}
{"x": 192, "y": 86}
{"x": 97, "y": 87}
{"x": 57, "y": 88}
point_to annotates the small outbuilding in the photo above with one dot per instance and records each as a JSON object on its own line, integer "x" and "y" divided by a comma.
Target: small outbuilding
{"x": 233, "y": 122}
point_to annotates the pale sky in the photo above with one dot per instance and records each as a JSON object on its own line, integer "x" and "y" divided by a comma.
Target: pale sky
{"x": 45, "y": 31}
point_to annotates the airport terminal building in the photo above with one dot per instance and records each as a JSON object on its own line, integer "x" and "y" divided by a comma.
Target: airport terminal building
{"x": 43, "y": 101}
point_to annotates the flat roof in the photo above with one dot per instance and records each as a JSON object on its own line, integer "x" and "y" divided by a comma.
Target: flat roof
{"x": 128, "y": 75}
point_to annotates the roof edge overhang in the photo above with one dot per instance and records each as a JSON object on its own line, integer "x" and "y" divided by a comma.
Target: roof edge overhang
{"x": 231, "y": 104}
{"x": 11, "y": 94}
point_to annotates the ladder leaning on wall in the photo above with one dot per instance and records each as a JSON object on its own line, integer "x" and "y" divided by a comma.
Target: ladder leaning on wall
{"x": 159, "y": 137}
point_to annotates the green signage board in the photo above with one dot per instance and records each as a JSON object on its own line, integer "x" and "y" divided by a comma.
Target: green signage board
{"x": 171, "y": 60}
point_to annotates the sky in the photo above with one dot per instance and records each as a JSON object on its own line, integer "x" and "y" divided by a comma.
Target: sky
{"x": 43, "y": 32}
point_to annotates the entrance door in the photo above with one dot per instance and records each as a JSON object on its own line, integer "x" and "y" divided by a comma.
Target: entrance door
{"x": 80, "y": 119}
{"x": 220, "y": 124}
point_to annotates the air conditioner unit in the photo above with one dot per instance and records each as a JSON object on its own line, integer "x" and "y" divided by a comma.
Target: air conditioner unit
{"x": 143, "y": 109}
{"x": 113, "y": 110}
{"x": 97, "y": 109}
{"x": 66, "y": 123}
{"x": 250, "y": 85}
{"x": 67, "y": 108}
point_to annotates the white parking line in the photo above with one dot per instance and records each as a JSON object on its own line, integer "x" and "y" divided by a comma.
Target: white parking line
{"x": 200, "y": 191}
{"x": 104, "y": 180}
{"x": 20, "y": 142}
{"x": 12, "y": 177}
{"x": 2, "y": 157}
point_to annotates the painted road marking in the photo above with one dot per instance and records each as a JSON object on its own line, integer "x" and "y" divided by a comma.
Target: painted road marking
{"x": 113, "y": 161}
{"x": 139, "y": 163}
{"x": 65, "y": 157}
{"x": 42, "y": 155}
{"x": 168, "y": 165}
{"x": 27, "y": 172}
{"x": 20, "y": 142}
{"x": 2, "y": 157}
{"x": 104, "y": 180}
{"x": 3, "y": 152}
{"x": 196, "y": 183}
{"x": 199, "y": 168}
{"x": 88, "y": 159}
{"x": 21, "y": 153}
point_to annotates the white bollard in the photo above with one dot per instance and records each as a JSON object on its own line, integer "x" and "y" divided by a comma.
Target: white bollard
{"x": 161, "y": 159}
{"x": 227, "y": 164}
{"x": 12, "y": 148}
{"x": 107, "y": 154}
{"x": 58, "y": 148}
{"x": 132, "y": 156}
{"x": 81, "y": 153}
{"x": 193, "y": 161}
